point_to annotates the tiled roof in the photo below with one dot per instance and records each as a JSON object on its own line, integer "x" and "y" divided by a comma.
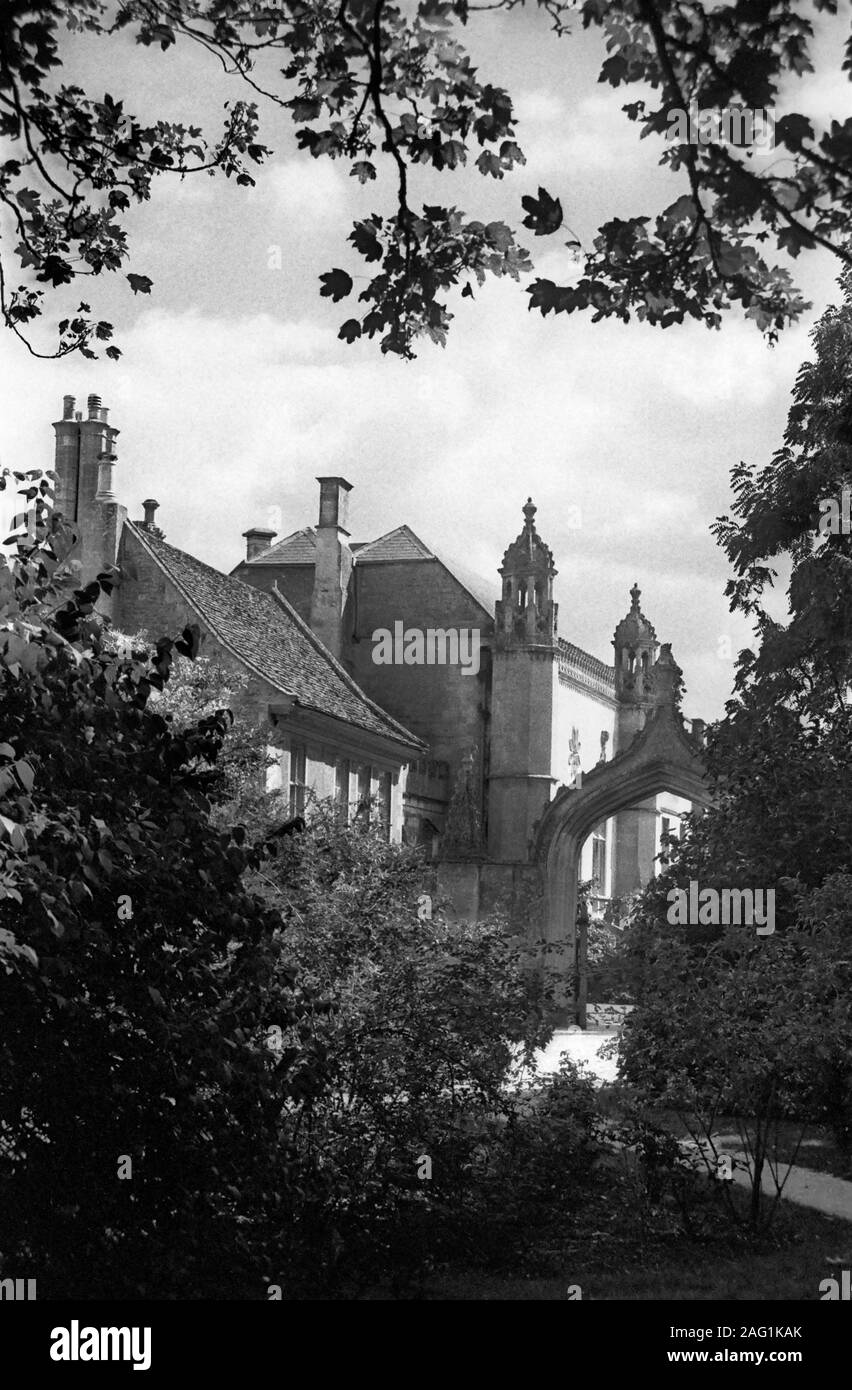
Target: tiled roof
{"x": 298, "y": 549}
{"x": 401, "y": 544}
{"x": 270, "y": 638}
{"x": 396, "y": 545}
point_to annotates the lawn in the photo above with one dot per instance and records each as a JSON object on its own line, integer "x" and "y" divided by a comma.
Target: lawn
{"x": 791, "y": 1268}
{"x": 613, "y": 1251}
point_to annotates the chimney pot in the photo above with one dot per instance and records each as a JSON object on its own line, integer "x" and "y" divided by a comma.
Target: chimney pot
{"x": 106, "y": 475}
{"x": 257, "y": 540}
{"x": 94, "y": 404}
{"x": 150, "y": 506}
{"x": 68, "y": 407}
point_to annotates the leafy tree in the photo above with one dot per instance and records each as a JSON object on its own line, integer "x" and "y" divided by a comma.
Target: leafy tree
{"x": 139, "y": 1107}
{"x": 780, "y": 758}
{"x": 761, "y": 1027}
{"x": 198, "y": 688}
{"x": 370, "y": 78}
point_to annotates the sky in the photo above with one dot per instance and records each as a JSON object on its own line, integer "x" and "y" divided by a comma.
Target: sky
{"x": 233, "y": 392}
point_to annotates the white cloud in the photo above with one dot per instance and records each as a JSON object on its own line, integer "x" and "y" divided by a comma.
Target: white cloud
{"x": 595, "y": 135}
{"x": 307, "y": 190}
{"x": 540, "y": 105}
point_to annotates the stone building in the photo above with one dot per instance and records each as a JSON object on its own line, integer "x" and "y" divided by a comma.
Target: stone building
{"x": 385, "y": 668}
{"x": 327, "y": 733}
{"x": 537, "y": 714}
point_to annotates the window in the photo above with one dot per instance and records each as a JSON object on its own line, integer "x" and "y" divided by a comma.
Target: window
{"x": 362, "y": 812}
{"x": 274, "y": 769}
{"x": 341, "y": 791}
{"x": 599, "y": 860}
{"x": 297, "y": 779}
{"x": 668, "y": 826}
{"x": 385, "y": 804}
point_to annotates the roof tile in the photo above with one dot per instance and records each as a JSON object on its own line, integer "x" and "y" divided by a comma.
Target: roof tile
{"x": 270, "y": 638}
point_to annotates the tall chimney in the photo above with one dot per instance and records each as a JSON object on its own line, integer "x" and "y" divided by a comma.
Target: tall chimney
{"x": 80, "y": 445}
{"x": 257, "y": 540}
{"x": 333, "y": 564}
{"x": 85, "y": 468}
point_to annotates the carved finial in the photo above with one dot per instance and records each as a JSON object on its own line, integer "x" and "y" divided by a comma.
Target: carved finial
{"x": 635, "y": 595}
{"x": 530, "y": 510}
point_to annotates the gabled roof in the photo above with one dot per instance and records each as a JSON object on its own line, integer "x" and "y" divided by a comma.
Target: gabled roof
{"x": 485, "y": 594}
{"x": 400, "y": 544}
{"x": 297, "y": 549}
{"x": 270, "y": 639}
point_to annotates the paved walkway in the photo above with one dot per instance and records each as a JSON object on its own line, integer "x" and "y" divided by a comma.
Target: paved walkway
{"x": 819, "y": 1191}
{"x": 807, "y": 1188}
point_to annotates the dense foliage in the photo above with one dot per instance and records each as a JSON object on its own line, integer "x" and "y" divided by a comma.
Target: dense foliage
{"x": 431, "y": 1141}
{"x": 728, "y": 1022}
{"x": 139, "y": 1114}
{"x": 372, "y": 82}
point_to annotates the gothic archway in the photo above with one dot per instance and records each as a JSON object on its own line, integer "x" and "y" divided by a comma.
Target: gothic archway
{"x": 661, "y": 758}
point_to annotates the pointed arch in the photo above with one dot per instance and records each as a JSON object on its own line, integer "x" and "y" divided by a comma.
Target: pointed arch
{"x": 661, "y": 758}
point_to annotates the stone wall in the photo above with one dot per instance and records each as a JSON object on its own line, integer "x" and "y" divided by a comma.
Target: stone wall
{"x": 295, "y": 582}
{"x": 475, "y": 890}
{"x": 438, "y": 703}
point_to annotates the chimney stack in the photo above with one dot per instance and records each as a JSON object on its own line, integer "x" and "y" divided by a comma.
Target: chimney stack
{"x": 81, "y": 445}
{"x": 106, "y": 476}
{"x": 334, "y": 503}
{"x": 333, "y": 564}
{"x": 85, "y": 467}
{"x": 149, "y": 506}
{"x": 257, "y": 540}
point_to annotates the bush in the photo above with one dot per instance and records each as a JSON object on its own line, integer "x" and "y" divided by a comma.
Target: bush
{"x": 427, "y": 1040}
{"x": 754, "y": 1028}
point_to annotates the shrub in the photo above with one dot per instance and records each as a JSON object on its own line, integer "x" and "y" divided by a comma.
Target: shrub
{"x": 757, "y": 1028}
{"x": 427, "y": 1042}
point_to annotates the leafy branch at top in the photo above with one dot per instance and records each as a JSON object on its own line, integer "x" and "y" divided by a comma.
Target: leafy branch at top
{"x": 366, "y": 79}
